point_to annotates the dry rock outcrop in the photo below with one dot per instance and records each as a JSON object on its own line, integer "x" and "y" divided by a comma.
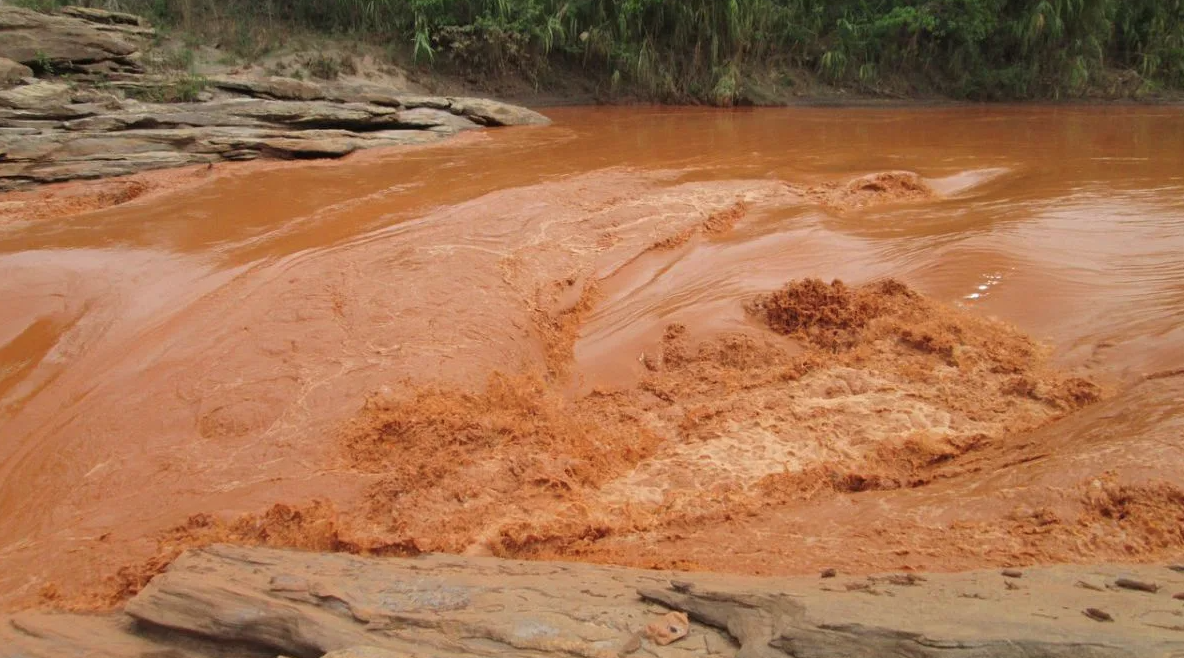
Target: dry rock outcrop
{"x": 76, "y": 40}
{"x": 233, "y": 601}
{"x": 55, "y": 128}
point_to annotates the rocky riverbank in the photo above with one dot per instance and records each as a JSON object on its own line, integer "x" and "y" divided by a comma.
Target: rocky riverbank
{"x": 76, "y": 102}
{"x": 230, "y": 601}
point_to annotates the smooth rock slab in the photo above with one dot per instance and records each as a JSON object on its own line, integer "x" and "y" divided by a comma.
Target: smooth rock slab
{"x": 121, "y": 165}
{"x": 364, "y": 652}
{"x": 39, "y": 95}
{"x": 495, "y": 113}
{"x": 230, "y": 601}
{"x": 302, "y": 604}
{"x": 64, "y": 42}
{"x": 48, "y": 157}
{"x": 47, "y": 139}
{"x": 428, "y": 118}
{"x": 24, "y": 635}
{"x": 12, "y": 72}
{"x": 103, "y": 16}
{"x": 278, "y": 88}
{"x": 485, "y": 112}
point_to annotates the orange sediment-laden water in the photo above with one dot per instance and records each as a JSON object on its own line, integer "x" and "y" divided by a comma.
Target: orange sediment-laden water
{"x": 618, "y": 339}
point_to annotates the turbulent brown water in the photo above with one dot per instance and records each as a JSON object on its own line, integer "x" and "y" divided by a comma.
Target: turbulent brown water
{"x": 575, "y": 342}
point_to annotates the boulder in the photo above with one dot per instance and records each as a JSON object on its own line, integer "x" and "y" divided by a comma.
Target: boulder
{"x": 12, "y": 72}
{"x": 64, "y": 43}
{"x": 304, "y": 149}
{"x": 481, "y": 111}
{"x": 49, "y": 116}
{"x": 367, "y": 92}
{"x": 364, "y": 652}
{"x": 279, "y": 88}
{"x": 93, "y": 15}
{"x": 37, "y": 96}
{"x": 428, "y": 118}
{"x": 496, "y": 113}
{"x": 276, "y": 88}
{"x": 91, "y": 168}
{"x": 314, "y": 114}
{"x": 90, "y": 95}
{"x": 24, "y": 635}
{"x": 412, "y": 101}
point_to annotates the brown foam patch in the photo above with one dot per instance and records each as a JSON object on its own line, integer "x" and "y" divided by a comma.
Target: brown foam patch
{"x": 1099, "y": 519}
{"x": 482, "y": 460}
{"x": 1103, "y": 519}
{"x": 716, "y": 223}
{"x": 270, "y": 365}
{"x": 845, "y": 390}
{"x": 72, "y": 198}
{"x": 880, "y": 389}
{"x": 890, "y": 390}
{"x": 873, "y": 190}
{"x": 316, "y": 526}
{"x": 558, "y": 325}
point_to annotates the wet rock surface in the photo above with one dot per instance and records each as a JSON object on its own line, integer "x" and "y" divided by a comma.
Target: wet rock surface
{"x": 91, "y": 125}
{"x": 224, "y": 601}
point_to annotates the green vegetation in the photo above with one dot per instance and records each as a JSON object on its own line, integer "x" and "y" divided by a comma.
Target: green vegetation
{"x": 44, "y": 64}
{"x": 329, "y": 67}
{"x": 176, "y": 59}
{"x": 710, "y": 49}
{"x": 185, "y": 88}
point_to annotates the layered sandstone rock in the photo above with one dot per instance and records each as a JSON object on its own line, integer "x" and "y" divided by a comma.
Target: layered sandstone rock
{"x": 230, "y": 601}
{"x": 84, "y": 40}
{"x": 55, "y": 130}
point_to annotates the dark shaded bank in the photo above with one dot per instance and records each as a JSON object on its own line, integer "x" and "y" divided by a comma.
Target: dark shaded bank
{"x": 732, "y": 51}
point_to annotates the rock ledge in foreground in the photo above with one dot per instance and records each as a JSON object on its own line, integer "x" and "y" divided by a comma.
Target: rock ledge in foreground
{"x": 224, "y": 600}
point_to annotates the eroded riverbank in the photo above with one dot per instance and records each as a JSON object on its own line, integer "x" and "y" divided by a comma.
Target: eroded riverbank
{"x": 297, "y": 333}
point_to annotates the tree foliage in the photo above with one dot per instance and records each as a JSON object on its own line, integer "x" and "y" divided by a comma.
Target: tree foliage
{"x": 705, "y": 49}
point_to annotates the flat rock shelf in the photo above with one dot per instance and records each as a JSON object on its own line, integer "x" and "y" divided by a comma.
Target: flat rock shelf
{"x": 234, "y": 601}
{"x": 84, "y": 115}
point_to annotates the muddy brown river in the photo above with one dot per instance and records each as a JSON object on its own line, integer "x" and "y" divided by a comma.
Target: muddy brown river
{"x": 560, "y": 342}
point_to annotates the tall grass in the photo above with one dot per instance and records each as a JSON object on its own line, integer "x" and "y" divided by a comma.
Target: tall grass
{"x": 707, "y": 49}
